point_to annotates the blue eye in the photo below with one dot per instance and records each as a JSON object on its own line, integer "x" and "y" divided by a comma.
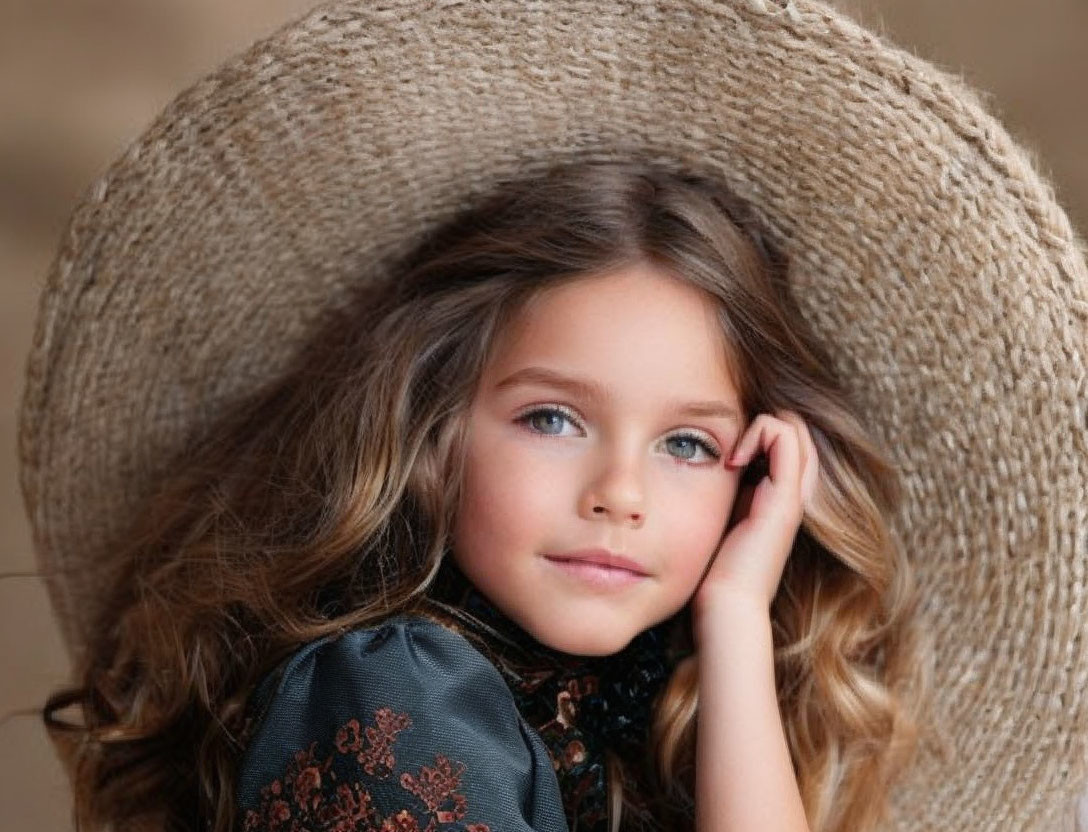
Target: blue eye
{"x": 548, "y": 421}
{"x": 695, "y": 443}
{"x": 557, "y": 417}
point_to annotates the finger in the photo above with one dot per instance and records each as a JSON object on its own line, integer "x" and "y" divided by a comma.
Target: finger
{"x": 783, "y": 449}
{"x": 778, "y": 440}
{"x": 811, "y": 477}
{"x": 810, "y": 457}
{"x": 746, "y": 445}
{"x": 795, "y": 421}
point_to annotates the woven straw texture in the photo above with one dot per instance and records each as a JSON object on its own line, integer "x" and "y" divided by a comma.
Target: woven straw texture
{"x": 928, "y": 252}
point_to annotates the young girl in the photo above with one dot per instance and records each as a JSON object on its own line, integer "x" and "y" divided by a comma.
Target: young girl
{"x": 569, "y": 526}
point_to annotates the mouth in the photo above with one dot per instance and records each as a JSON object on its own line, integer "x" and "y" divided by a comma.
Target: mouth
{"x": 601, "y": 576}
{"x": 601, "y": 557}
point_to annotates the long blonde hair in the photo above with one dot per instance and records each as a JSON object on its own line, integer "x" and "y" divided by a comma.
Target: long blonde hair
{"x": 326, "y": 502}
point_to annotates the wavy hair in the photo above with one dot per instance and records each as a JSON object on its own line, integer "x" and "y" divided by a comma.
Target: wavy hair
{"x": 327, "y": 501}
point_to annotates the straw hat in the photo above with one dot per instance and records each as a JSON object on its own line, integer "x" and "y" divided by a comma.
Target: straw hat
{"x": 927, "y": 252}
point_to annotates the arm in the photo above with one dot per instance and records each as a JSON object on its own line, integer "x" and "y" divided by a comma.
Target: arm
{"x": 744, "y": 778}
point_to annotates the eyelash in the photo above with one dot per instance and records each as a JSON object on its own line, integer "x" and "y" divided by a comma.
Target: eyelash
{"x": 711, "y": 451}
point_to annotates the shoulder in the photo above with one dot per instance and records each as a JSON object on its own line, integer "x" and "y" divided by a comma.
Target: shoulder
{"x": 406, "y": 716}
{"x": 407, "y": 664}
{"x": 395, "y": 655}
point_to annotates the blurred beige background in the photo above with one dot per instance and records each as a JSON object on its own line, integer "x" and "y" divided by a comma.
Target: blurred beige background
{"x": 79, "y": 79}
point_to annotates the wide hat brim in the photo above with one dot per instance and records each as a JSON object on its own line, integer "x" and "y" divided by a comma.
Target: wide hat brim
{"x": 927, "y": 252}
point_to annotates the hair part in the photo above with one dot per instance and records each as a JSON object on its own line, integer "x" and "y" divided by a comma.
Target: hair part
{"x": 326, "y": 502}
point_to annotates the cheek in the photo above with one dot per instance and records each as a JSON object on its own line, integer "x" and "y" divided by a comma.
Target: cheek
{"x": 697, "y": 518}
{"x": 507, "y": 497}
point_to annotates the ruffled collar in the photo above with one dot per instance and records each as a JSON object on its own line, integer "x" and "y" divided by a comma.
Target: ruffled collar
{"x": 580, "y": 706}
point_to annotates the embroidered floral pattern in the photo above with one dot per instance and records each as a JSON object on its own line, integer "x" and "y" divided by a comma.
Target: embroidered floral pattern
{"x": 326, "y": 793}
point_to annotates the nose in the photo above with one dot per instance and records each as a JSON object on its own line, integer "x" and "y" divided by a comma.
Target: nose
{"x": 616, "y": 493}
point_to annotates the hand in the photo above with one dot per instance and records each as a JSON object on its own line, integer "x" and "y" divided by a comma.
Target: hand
{"x": 766, "y": 516}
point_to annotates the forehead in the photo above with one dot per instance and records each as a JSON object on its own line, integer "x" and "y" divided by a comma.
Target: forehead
{"x": 636, "y": 331}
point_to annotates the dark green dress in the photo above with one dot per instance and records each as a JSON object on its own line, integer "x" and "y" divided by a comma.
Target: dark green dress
{"x": 419, "y": 725}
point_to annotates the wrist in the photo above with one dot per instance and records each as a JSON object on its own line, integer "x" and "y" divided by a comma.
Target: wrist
{"x": 723, "y": 612}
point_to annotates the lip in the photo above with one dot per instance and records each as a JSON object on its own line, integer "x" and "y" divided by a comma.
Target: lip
{"x": 598, "y": 577}
{"x": 601, "y": 557}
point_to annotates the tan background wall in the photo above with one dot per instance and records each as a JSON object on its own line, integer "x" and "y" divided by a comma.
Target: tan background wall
{"x": 79, "y": 79}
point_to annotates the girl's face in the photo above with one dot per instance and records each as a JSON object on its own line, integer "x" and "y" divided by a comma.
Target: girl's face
{"x": 578, "y": 438}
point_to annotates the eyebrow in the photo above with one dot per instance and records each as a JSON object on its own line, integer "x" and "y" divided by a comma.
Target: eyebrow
{"x": 591, "y": 391}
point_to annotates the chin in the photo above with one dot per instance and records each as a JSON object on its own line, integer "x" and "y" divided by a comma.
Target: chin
{"x": 582, "y": 643}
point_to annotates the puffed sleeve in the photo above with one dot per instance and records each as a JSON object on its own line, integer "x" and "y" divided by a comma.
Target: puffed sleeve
{"x": 401, "y": 727}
